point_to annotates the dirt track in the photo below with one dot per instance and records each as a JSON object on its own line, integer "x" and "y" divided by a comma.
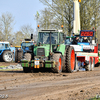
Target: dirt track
{"x": 50, "y": 86}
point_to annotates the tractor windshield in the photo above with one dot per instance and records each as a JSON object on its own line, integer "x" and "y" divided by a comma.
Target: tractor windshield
{"x": 2, "y": 46}
{"x": 26, "y": 45}
{"x": 67, "y": 41}
{"x": 44, "y": 38}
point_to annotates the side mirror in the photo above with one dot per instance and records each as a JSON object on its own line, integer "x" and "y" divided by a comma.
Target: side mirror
{"x": 31, "y": 36}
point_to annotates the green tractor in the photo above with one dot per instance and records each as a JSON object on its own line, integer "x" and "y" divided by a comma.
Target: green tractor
{"x": 50, "y": 52}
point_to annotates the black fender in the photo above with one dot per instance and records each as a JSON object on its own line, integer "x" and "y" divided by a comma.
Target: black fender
{"x": 58, "y": 52}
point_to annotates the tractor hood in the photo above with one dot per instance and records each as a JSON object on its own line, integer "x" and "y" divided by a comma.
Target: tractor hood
{"x": 43, "y": 51}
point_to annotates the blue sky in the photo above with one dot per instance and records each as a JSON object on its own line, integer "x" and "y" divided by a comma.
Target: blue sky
{"x": 23, "y": 11}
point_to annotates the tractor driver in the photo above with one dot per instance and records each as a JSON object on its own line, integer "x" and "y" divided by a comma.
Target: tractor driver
{"x": 52, "y": 40}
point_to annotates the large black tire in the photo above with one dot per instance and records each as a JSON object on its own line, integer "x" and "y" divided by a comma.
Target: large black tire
{"x": 64, "y": 59}
{"x": 20, "y": 55}
{"x": 88, "y": 67}
{"x": 27, "y": 56}
{"x": 16, "y": 58}
{"x": 26, "y": 69}
{"x": 70, "y": 60}
{"x": 58, "y": 63}
{"x": 8, "y": 56}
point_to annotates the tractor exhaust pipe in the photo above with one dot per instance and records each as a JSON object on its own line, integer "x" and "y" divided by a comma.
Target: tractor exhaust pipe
{"x": 50, "y": 47}
{"x": 31, "y": 36}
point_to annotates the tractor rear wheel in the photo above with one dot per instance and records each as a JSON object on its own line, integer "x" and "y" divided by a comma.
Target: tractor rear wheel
{"x": 58, "y": 63}
{"x": 70, "y": 60}
{"x": 20, "y": 55}
{"x": 8, "y": 56}
{"x": 64, "y": 59}
{"x": 88, "y": 67}
{"x": 16, "y": 60}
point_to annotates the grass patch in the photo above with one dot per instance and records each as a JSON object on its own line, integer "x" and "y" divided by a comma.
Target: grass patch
{"x": 10, "y": 69}
{"x": 95, "y": 98}
{"x": 3, "y": 66}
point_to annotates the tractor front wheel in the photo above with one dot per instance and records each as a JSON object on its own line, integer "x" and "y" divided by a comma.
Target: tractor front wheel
{"x": 58, "y": 63}
{"x": 27, "y": 56}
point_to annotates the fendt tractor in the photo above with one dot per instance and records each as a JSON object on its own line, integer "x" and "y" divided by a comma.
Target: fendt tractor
{"x": 50, "y": 52}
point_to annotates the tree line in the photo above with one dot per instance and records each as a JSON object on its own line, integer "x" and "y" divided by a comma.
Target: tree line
{"x": 60, "y": 12}
{"x": 6, "y": 30}
{"x": 57, "y": 13}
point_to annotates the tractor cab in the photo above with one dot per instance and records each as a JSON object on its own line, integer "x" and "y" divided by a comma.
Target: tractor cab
{"x": 4, "y": 45}
{"x": 48, "y": 41}
{"x": 27, "y": 45}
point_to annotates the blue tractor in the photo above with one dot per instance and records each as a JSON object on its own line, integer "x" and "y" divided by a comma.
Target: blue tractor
{"x": 25, "y": 50}
{"x": 6, "y": 52}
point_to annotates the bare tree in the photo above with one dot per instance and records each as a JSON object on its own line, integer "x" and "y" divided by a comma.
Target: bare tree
{"x": 27, "y": 30}
{"x": 63, "y": 13}
{"x": 7, "y": 22}
{"x": 18, "y": 37}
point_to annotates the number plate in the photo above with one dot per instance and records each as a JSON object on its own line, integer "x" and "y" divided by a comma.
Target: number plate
{"x": 36, "y": 62}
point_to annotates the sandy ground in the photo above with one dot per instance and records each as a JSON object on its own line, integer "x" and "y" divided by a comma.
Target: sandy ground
{"x": 7, "y": 64}
{"x": 50, "y": 86}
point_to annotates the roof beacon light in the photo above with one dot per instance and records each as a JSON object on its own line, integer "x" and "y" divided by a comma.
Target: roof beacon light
{"x": 38, "y": 26}
{"x": 79, "y": 0}
{"x": 62, "y": 26}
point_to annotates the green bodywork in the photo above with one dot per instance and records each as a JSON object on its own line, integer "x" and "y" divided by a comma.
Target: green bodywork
{"x": 45, "y": 47}
{"x": 99, "y": 52}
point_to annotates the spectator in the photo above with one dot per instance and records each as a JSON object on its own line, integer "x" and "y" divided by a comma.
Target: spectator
{"x": 75, "y": 40}
{"x": 11, "y": 45}
{"x": 85, "y": 39}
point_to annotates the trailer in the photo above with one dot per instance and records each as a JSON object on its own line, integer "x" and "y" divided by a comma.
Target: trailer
{"x": 86, "y": 52}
